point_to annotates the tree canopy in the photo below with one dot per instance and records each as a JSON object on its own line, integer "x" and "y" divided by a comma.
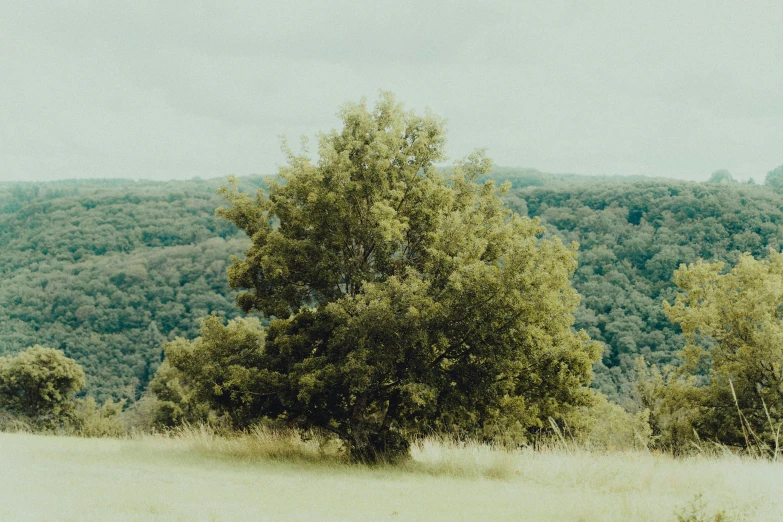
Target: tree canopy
{"x": 721, "y": 177}
{"x": 39, "y": 383}
{"x": 774, "y": 179}
{"x": 731, "y": 386}
{"x": 109, "y": 270}
{"x": 404, "y": 298}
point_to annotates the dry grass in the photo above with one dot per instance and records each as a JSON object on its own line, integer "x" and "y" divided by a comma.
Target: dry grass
{"x": 259, "y": 443}
{"x": 195, "y": 474}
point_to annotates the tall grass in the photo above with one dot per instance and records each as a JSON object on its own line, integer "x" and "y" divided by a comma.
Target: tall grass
{"x": 258, "y": 443}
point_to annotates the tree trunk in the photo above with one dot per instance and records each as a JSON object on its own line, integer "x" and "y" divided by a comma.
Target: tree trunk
{"x": 371, "y": 444}
{"x": 361, "y": 450}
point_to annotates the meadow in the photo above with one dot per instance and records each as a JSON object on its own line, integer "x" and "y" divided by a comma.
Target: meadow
{"x": 194, "y": 474}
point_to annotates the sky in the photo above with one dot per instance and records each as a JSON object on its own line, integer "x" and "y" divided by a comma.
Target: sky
{"x": 183, "y": 89}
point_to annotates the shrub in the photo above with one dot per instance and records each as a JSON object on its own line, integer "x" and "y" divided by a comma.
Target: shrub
{"x": 608, "y": 426}
{"x": 40, "y": 384}
{"x": 91, "y": 420}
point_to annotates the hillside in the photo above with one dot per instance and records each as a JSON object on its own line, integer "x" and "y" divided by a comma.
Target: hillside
{"x": 632, "y": 236}
{"x": 108, "y": 270}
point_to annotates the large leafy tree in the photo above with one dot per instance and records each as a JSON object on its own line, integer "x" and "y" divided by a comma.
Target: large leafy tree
{"x": 405, "y": 299}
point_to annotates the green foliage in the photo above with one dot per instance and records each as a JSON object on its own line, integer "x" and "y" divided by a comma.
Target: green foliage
{"x": 108, "y": 271}
{"x": 607, "y": 426}
{"x": 632, "y": 235}
{"x": 407, "y": 299}
{"x": 91, "y": 420}
{"x": 721, "y": 177}
{"x": 39, "y": 384}
{"x": 10, "y": 423}
{"x": 173, "y": 400}
{"x": 674, "y": 408}
{"x": 217, "y": 372}
{"x": 774, "y": 179}
{"x": 734, "y": 355}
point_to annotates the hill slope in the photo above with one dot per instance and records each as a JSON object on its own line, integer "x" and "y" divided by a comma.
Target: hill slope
{"x": 632, "y": 236}
{"x": 106, "y": 271}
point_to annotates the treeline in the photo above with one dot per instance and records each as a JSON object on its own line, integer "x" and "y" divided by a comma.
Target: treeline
{"x": 107, "y": 271}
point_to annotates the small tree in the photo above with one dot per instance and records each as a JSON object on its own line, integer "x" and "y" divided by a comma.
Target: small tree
{"x": 405, "y": 299}
{"x": 733, "y": 369}
{"x": 40, "y": 383}
{"x": 721, "y": 177}
{"x": 774, "y": 179}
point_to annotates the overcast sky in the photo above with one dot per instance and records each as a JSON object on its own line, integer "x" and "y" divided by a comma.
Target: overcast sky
{"x": 179, "y": 89}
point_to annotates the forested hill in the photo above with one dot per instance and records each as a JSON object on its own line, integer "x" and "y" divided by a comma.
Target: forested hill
{"x": 632, "y": 236}
{"x": 107, "y": 270}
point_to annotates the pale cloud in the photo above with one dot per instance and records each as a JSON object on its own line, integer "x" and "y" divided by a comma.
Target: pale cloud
{"x": 180, "y": 89}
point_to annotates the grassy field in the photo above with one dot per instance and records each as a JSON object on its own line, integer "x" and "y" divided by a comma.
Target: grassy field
{"x": 197, "y": 476}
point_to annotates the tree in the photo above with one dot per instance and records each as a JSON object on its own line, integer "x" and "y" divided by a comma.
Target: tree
{"x": 774, "y": 179}
{"x": 734, "y": 356}
{"x": 722, "y": 177}
{"x": 40, "y": 383}
{"x": 404, "y": 299}
{"x": 215, "y": 373}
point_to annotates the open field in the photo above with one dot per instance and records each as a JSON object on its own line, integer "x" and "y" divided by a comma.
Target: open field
{"x": 187, "y": 478}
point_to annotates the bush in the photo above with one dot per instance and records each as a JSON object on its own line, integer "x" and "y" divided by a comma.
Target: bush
{"x": 14, "y": 424}
{"x": 39, "y": 384}
{"x": 184, "y": 394}
{"x": 674, "y": 406}
{"x": 90, "y": 420}
{"x": 608, "y": 426}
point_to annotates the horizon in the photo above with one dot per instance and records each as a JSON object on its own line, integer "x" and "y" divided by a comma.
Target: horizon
{"x": 701, "y": 179}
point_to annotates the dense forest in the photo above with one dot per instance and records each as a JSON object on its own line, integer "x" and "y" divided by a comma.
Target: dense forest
{"x": 632, "y": 236}
{"x": 107, "y": 271}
